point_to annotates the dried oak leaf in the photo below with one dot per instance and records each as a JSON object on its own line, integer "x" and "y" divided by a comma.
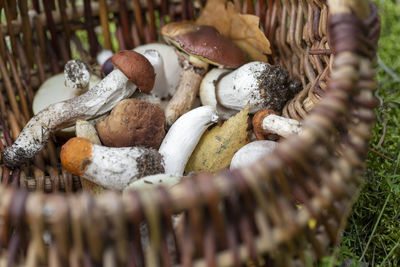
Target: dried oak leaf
{"x": 216, "y": 147}
{"x": 243, "y": 29}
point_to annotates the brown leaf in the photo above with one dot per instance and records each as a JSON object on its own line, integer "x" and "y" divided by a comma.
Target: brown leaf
{"x": 243, "y": 29}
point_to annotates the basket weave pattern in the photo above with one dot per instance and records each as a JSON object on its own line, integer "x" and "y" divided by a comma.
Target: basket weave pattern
{"x": 247, "y": 214}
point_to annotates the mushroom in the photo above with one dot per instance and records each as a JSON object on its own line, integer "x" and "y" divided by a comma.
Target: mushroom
{"x": 77, "y": 75}
{"x": 170, "y": 66}
{"x": 183, "y": 137}
{"x": 76, "y": 80}
{"x": 63, "y": 86}
{"x": 267, "y": 122}
{"x": 262, "y": 85}
{"x": 167, "y": 180}
{"x": 111, "y": 167}
{"x": 130, "y": 66}
{"x": 200, "y": 45}
{"x": 207, "y": 93}
{"x": 251, "y": 152}
{"x": 133, "y": 123}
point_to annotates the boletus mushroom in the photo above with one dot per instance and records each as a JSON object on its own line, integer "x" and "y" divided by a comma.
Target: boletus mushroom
{"x": 133, "y": 123}
{"x": 199, "y": 46}
{"x": 132, "y": 71}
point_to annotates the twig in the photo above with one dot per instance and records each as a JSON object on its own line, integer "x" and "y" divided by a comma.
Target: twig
{"x": 381, "y": 154}
{"x": 320, "y": 52}
{"x": 383, "y": 134}
{"x": 388, "y": 70}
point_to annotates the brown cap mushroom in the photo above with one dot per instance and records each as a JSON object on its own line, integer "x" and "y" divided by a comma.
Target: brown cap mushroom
{"x": 201, "y": 45}
{"x": 133, "y": 123}
{"x": 128, "y": 61}
{"x": 206, "y": 43}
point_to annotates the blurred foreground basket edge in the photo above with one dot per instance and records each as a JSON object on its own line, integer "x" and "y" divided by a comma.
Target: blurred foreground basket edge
{"x": 247, "y": 216}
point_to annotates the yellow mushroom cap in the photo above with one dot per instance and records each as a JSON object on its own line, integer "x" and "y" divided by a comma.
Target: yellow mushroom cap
{"x": 76, "y": 155}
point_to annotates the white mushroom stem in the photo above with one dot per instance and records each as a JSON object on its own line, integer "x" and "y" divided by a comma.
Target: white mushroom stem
{"x": 115, "y": 168}
{"x": 111, "y": 167}
{"x": 171, "y": 66}
{"x": 167, "y": 180}
{"x": 207, "y": 92}
{"x": 241, "y": 86}
{"x": 86, "y": 130}
{"x": 96, "y": 101}
{"x": 281, "y": 126}
{"x": 160, "y": 88}
{"x": 251, "y": 152}
{"x": 183, "y": 137}
{"x": 77, "y": 75}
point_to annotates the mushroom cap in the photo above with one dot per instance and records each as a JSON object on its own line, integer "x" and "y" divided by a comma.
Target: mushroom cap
{"x": 76, "y": 155}
{"x": 133, "y": 123}
{"x": 206, "y": 43}
{"x": 77, "y": 74}
{"x": 136, "y": 67}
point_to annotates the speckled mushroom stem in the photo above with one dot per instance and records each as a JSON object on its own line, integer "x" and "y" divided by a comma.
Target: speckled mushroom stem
{"x": 185, "y": 94}
{"x": 95, "y": 102}
{"x": 111, "y": 167}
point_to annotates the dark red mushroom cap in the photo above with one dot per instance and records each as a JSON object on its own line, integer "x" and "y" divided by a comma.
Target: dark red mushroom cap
{"x": 206, "y": 43}
{"x": 136, "y": 67}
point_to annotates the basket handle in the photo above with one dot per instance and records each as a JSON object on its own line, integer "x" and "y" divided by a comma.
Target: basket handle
{"x": 359, "y": 7}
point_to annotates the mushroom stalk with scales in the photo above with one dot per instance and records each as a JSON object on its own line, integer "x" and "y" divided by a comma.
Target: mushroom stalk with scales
{"x": 133, "y": 70}
{"x": 111, "y": 167}
{"x": 199, "y": 46}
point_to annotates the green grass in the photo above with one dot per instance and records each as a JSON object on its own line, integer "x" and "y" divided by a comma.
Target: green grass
{"x": 373, "y": 233}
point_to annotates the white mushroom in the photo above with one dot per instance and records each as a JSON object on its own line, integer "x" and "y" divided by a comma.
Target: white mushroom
{"x": 183, "y": 137}
{"x": 207, "y": 92}
{"x": 167, "y": 180}
{"x": 266, "y": 122}
{"x": 76, "y": 80}
{"x": 170, "y": 66}
{"x": 111, "y": 167}
{"x": 54, "y": 90}
{"x": 251, "y": 152}
{"x": 281, "y": 126}
{"x": 258, "y": 83}
{"x": 95, "y": 102}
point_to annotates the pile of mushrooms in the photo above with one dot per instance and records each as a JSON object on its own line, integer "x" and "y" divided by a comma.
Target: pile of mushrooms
{"x": 130, "y": 139}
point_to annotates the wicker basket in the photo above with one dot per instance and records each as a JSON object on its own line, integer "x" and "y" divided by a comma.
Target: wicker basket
{"x": 234, "y": 217}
